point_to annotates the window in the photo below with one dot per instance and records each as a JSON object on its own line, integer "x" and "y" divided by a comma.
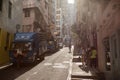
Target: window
{"x": 1, "y": 2}
{"x": 58, "y": 12}
{"x": 115, "y": 47}
{"x": 58, "y": 22}
{"x": 27, "y": 13}
{"x": 10, "y": 10}
{"x": 107, "y": 53}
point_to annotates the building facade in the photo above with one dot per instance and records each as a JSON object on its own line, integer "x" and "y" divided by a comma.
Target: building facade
{"x": 9, "y": 20}
{"x": 39, "y": 15}
{"x": 52, "y": 17}
{"x": 35, "y": 15}
{"x": 109, "y": 40}
{"x": 67, "y": 17}
{"x": 58, "y": 21}
{"x": 98, "y": 23}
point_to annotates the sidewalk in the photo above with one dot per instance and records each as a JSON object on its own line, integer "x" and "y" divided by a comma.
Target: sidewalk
{"x": 5, "y": 65}
{"x": 82, "y": 73}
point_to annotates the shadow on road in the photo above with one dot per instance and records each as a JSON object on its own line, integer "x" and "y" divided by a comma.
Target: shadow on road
{"x": 49, "y": 53}
{"x": 11, "y": 73}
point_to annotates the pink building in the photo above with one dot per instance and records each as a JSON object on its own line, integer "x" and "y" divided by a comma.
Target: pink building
{"x": 35, "y": 15}
{"x": 109, "y": 40}
{"x": 101, "y": 19}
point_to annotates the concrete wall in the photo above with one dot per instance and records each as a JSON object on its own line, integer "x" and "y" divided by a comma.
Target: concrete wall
{"x": 108, "y": 26}
{"x": 8, "y": 27}
{"x": 10, "y": 24}
{"x": 101, "y": 17}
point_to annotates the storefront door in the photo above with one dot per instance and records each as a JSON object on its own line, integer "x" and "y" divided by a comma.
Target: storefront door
{"x": 114, "y": 56}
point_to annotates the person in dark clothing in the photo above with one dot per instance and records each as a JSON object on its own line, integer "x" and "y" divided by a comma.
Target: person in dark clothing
{"x": 69, "y": 48}
{"x": 69, "y": 45}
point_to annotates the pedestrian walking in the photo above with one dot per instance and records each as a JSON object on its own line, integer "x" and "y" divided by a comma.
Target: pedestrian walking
{"x": 88, "y": 52}
{"x": 80, "y": 54}
{"x": 69, "y": 45}
{"x": 83, "y": 57}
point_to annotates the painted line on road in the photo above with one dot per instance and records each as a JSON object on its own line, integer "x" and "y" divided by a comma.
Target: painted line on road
{"x": 70, "y": 70}
{"x": 28, "y": 78}
{"x": 67, "y": 62}
{"x": 59, "y": 65}
{"x": 47, "y": 64}
{"x": 34, "y": 73}
{"x": 5, "y": 66}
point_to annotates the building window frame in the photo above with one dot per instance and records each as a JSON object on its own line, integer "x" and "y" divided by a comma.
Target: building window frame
{"x": 10, "y": 10}
{"x": 1, "y": 5}
{"x": 27, "y": 13}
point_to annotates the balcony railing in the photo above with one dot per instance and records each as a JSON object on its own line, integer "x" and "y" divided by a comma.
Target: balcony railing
{"x": 29, "y": 3}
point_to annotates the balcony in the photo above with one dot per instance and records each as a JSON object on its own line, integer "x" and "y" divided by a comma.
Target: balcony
{"x": 29, "y": 3}
{"x": 37, "y": 4}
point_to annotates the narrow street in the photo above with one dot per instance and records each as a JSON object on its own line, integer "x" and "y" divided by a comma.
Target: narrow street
{"x": 59, "y": 39}
{"x": 54, "y": 67}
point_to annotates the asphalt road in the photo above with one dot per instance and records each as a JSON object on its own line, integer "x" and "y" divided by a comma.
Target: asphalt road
{"x": 55, "y": 67}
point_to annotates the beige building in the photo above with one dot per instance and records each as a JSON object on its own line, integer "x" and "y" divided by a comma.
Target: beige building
{"x": 52, "y": 16}
{"x": 10, "y": 18}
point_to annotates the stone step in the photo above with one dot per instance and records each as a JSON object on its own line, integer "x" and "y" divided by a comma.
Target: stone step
{"x": 75, "y": 60}
{"x": 83, "y": 77}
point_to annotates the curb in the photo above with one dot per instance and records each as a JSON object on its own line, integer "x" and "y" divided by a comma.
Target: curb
{"x": 5, "y": 66}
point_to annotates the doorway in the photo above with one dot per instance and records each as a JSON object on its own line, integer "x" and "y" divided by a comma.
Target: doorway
{"x": 106, "y": 44}
{"x": 114, "y": 48}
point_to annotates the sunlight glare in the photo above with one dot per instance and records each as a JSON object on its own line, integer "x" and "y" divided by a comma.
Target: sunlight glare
{"x": 71, "y": 1}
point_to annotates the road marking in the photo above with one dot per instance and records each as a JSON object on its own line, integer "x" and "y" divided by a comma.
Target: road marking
{"x": 47, "y": 64}
{"x": 66, "y": 62}
{"x": 27, "y": 78}
{"x": 78, "y": 63}
{"x": 70, "y": 70}
{"x": 34, "y": 73}
{"x": 5, "y": 66}
{"x": 76, "y": 56}
{"x": 59, "y": 65}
